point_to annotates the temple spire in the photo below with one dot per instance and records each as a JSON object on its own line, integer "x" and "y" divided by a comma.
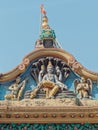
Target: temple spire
{"x": 47, "y": 38}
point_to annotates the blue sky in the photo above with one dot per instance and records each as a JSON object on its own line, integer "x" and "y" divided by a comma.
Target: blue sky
{"x": 75, "y": 23}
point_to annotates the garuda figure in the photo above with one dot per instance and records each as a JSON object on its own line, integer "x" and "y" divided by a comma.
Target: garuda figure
{"x": 83, "y": 87}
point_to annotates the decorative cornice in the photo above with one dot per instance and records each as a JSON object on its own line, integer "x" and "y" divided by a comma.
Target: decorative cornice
{"x": 49, "y": 114}
{"x": 54, "y": 52}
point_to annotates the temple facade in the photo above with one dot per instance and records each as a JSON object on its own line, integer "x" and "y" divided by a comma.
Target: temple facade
{"x": 49, "y": 89}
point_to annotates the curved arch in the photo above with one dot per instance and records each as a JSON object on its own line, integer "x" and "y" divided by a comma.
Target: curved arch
{"x": 55, "y": 52}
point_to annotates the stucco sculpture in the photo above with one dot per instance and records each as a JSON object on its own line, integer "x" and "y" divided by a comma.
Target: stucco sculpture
{"x": 49, "y": 82}
{"x": 16, "y": 90}
{"x": 83, "y": 87}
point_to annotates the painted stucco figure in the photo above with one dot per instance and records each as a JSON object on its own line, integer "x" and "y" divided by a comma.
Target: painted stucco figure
{"x": 16, "y": 90}
{"x": 41, "y": 73}
{"x": 83, "y": 88}
{"x": 49, "y": 83}
{"x": 59, "y": 73}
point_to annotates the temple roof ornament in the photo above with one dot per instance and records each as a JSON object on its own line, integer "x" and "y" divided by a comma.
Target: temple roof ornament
{"x": 49, "y": 83}
{"x": 47, "y": 38}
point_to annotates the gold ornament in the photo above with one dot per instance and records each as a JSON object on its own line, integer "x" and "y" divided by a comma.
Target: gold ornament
{"x": 49, "y": 65}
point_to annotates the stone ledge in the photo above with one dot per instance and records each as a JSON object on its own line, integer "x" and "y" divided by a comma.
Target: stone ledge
{"x": 88, "y": 102}
{"x": 42, "y": 102}
{"x": 63, "y": 102}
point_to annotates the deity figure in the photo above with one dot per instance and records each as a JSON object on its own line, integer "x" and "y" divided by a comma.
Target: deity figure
{"x": 16, "y": 90}
{"x": 83, "y": 87}
{"x": 49, "y": 83}
{"x": 41, "y": 73}
{"x": 66, "y": 72}
{"x": 58, "y": 73}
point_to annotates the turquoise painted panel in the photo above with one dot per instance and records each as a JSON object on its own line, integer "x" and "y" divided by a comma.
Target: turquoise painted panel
{"x": 31, "y": 84}
{"x": 64, "y": 126}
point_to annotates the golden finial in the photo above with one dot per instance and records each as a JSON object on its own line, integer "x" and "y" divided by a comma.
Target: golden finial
{"x": 45, "y": 22}
{"x": 44, "y": 19}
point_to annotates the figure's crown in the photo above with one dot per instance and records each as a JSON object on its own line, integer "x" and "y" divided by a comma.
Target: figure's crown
{"x": 49, "y": 65}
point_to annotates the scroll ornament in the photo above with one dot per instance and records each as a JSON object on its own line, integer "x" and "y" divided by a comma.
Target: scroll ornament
{"x": 23, "y": 65}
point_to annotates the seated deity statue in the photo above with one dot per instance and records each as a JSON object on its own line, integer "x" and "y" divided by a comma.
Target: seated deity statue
{"x": 83, "y": 88}
{"x": 16, "y": 90}
{"x": 49, "y": 82}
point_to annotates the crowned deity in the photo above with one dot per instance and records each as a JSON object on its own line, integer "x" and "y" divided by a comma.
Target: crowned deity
{"x": 49, "y": 82}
